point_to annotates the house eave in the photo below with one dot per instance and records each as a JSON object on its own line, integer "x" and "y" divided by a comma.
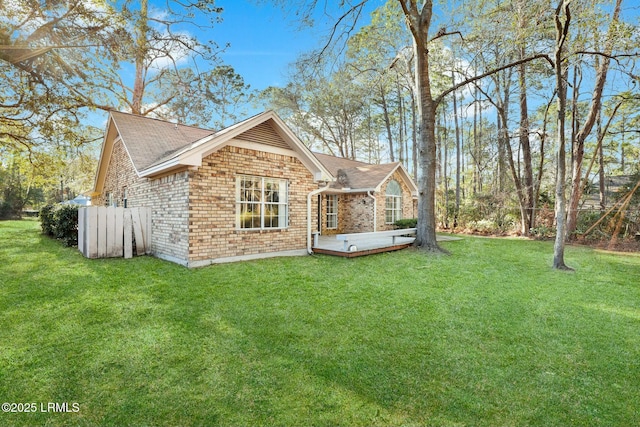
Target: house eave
{"x": 349, "y": 190}
{"x": 111, "y": 138}
{"x": 166, "y": 167}
{"x": 192, "y": 156}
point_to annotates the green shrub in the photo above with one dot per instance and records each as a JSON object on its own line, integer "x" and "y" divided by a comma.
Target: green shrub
{"x": 543, "y": 232}
{"x": 47, "y": 220}
{"x": 6, "y": 211}
{"x": 60, "y": 222}
{"x": 406, "y": 223}
{"x": 66, "y": 218}
{"x": 482, "y": 226}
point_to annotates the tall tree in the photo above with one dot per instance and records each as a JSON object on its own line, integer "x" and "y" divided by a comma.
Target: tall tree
{"x": 158, "y": 46}
{"x": 418, "y": 19}
{"x": 215, "y": 98}
{"x": 48, "y": 54}
{"x": 562, "y": 19}
{"x": 329, "y": 109}
{"x": 590, "y": 120}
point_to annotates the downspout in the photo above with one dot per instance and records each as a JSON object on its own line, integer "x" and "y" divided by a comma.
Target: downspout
{"x": 375, "y": 211}
{"x": 309, "y": 197}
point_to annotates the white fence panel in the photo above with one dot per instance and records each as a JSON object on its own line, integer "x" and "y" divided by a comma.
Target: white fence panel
{"x": 111, "y": 232}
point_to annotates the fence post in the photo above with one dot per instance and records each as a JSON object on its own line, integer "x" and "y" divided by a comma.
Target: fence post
{"x": 81, "y": 226}
{"x": 128, "y": 234}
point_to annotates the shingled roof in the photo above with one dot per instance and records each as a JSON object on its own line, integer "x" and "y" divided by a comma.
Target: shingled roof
{"x": 150, "y": 140}
{"x": 333, "y": 163}
{"x": 353, "y": 175}
{"x": 157, "y": 147}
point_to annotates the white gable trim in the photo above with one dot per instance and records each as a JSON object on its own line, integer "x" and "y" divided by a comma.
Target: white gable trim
{"x": 405, "y": 175}
{"x": 112, "y": 136}
{"x": 192, "y": 156}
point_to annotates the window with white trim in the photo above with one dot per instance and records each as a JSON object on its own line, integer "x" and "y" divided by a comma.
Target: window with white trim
{"x": 332, "y": 211}
{"x": 261, "y": 203}
{"x": 393, "y": 202}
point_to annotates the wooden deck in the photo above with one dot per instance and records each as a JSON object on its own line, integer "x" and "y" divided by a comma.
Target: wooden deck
{"x": 366, "y": 245}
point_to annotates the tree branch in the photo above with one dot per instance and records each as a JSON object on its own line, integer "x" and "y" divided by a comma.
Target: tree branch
{"x": 455, "y": 87}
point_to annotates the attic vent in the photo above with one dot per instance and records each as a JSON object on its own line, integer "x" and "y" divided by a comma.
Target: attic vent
{"x": 264, "y": 133}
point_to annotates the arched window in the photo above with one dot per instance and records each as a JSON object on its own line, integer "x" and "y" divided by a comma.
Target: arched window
{"x": 393, "y": 202}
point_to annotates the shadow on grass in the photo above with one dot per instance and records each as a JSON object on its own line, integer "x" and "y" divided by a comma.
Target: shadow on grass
{"x": 389, "y": 339}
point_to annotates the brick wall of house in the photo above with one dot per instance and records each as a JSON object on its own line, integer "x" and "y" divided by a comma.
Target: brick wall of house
{"x": 355, "y": 213}
{"x": 167, "y": 197}
{"x": 213, "y": 231}
{"x": 120, "y": 175}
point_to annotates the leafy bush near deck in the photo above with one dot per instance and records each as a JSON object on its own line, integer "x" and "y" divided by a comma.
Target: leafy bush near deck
{"x": 406, "y": 223}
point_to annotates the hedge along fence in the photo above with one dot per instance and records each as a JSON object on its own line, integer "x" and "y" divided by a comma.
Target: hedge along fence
{"x": 60, "y": 222}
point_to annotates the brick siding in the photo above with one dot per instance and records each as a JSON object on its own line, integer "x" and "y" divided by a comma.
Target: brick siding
{"x": 355, "y": 211}
{"x": 167, "y": 197}
{"x": 194, "y": 212}
{"x": 213, "y": 231}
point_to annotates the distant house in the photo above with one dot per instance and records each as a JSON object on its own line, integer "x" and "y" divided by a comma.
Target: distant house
{"x": 79, "y": 200}
{"x": 250, "y": 190}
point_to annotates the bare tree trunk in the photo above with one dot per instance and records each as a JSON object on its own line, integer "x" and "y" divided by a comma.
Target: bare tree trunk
{"x": 401, "y": 135}
{"x": 503, "y": 131}
{"x": 581, "y": 136}
{"x": 520, "y": 191}
{"x": 562, "y": 30}
{"x": 600, "y": 154}
{"x": 543, "y": 139}
{"x": 414, "y": 136}
{"x": 445, "y": 171}
{"x": 622, "y": 156}
{"x": 141, "y": 54}
{"x": 502, "y": 136}
{"x": 458, "y": 153}
{"x": 475, "y": 143}
{"x": 463, "y": 167}
{"x": 418, "y": 22}
{"x": 478, "y": 148}
{"x": 525, "y": 144}
{"x": 387, "y": 124}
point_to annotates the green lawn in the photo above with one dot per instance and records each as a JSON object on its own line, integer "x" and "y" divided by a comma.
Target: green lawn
{"x": 489, "y": 335}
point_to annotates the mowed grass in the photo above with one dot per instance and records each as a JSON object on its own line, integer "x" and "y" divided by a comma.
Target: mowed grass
{"x": 489, "y": 335}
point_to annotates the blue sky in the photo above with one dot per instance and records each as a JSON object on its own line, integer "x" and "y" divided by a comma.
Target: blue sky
{"x": 262, "y": 42}
{"x": 265, "y": 39}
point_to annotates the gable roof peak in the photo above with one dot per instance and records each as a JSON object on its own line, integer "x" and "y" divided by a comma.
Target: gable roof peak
{"x": 148, "y": 139}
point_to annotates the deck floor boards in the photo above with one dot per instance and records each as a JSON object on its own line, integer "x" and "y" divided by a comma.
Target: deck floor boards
{"x": 361, "y": 246}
